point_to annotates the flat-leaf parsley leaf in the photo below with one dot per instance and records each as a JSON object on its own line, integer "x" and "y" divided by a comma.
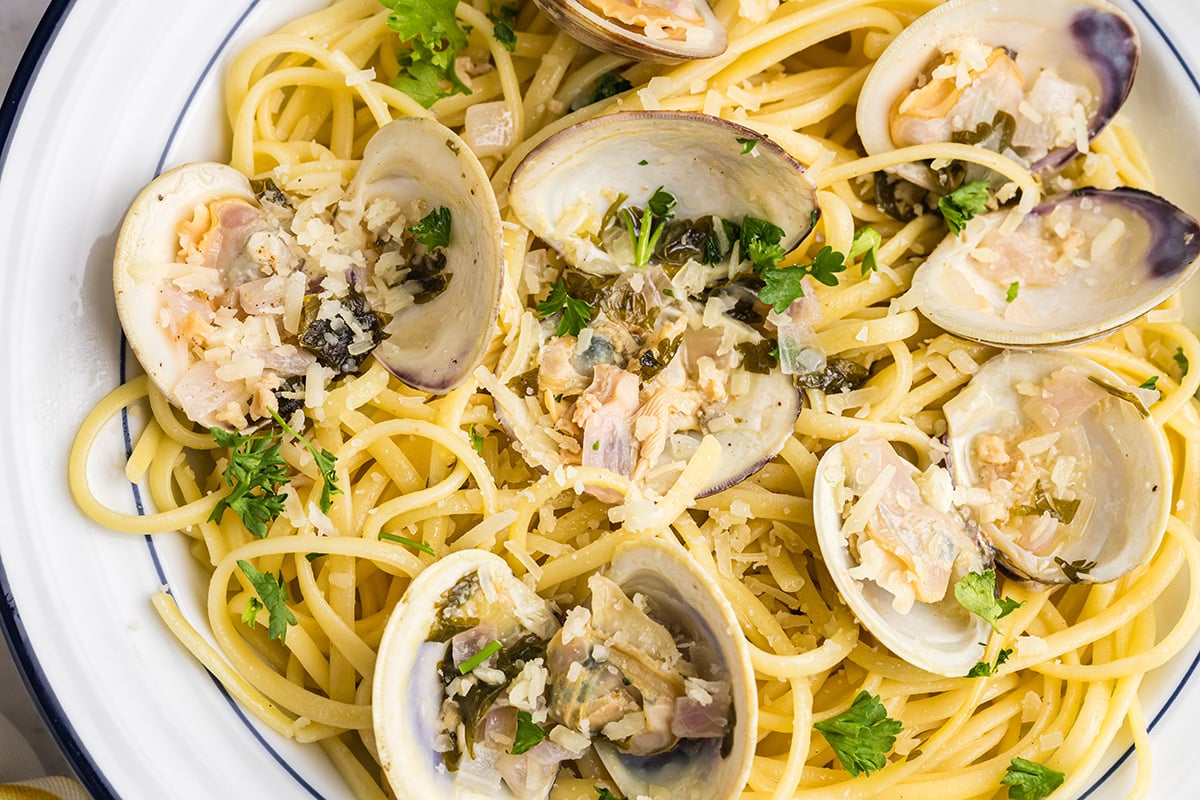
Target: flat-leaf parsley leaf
{"x": 1029, "y": 780}
{"x": 961, "y": 205}
{"x": 576, "y": 313}
{"x": 976, "y": 592}
{"x": 272, "y": 593}
{"x": 529, "y": 734}
{"x": 255, "y": 472}
{"x": 862, "y": 735}
{"x": 434, "y": 36}
{"x": 434, "y": 229}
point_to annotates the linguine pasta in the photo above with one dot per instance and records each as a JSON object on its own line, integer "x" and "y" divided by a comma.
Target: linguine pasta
{"x": 302, "y": 103}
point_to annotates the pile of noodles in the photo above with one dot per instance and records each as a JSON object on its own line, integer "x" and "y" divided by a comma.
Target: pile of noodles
{"x": 303, "y": 101}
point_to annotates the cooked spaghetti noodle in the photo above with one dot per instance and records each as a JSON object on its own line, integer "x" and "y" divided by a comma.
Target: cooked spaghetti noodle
{"x": 302, "y": 104}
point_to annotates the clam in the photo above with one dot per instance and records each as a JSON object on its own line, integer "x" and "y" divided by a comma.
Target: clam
{"x": 419, "y": 163}
{"x": 669, "y": 32}
{"x": 657, "y": 216}
{"x": 895, "y": 546}
{"x": 565, "y": 188}
{"x": 1034, "y": 79}
{"x": 1061, "y": 465}
{"x": 651, "y": 679}
{"x": 1075, "y": 268}
{"x": 231, "y": 293}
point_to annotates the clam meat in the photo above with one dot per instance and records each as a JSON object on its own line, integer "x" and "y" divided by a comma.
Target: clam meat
{"x": 1077, "y": 267}
{"x": 243, "y": 297}
{"x": 660, "y": 30}
{"x": 652, "y": 332}
{"x": 896, "y": 545}
{"x": 1065, "y": 473}
{"x": 646, "y": 687}
{"x": 1035, "y": 80}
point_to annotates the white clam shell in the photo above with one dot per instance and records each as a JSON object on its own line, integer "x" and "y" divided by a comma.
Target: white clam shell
{"x": 942, "y": 638}
{"x": 566, "y": 184}
{"x": 147, "y": 247}
{"x": 1156, "y": 252}
{"x": 436, "y": 345}
{"x": 1086, "y": 42}
{"x": 1130, "y": 482}
{"x": 588, "y": 25}
{"x": 407, "y": 693}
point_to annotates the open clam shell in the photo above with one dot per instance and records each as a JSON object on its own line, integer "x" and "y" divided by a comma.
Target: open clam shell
{"x": 562, "y": 190}
{"x": 1066, "y": 474}
{"x": 418, "y": 162}
{"x": 408, "y": 692}
{"x": 1020, "y": 57}
{"x": 643, "y": 32}
{"x": 147, "y": 247}
{"x": 1076, "y": 268}
{"x": 927, "y": 544}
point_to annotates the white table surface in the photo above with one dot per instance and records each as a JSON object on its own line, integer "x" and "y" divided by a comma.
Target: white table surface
{"x": 18, "y": 18}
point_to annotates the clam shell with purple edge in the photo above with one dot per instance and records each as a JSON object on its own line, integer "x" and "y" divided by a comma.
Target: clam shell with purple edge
{"x": 1134, "y": 250}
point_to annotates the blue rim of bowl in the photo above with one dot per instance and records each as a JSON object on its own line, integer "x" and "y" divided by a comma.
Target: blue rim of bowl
{"x": 34, "y": 676}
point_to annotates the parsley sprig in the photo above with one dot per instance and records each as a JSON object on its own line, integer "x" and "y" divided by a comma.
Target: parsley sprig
{"x": 976, "y": 592}
{"x": 433, "y": 230}
{"x": 435, "y": 38}
{"x": 609, "y": 85}
{"x": 272, "y": 595}
{"x": 325, "y": 461}
{"x": 529, "y": 734}
{"x": 985, "y": 670}
{"x": 867, "y": 242}
{"x": 1029, "y": 780}
{"x": 783, "y": 285}
{"x": 960, "y": 206}
{"x": 576, "y": 313}
{"x": 256, "y": 472}
{"x": 502, "y": 25}
{"x": 862, "y": 735}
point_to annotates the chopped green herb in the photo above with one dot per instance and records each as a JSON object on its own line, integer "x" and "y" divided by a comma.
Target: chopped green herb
{"x": 867, "y": 242}
{"x": 502, "y": 26}
{"x": 1073, "y": 569}
{"x": 976, "y": 592}
{"x": 748, "y": 144}
{"x": 576, "y": 313}
{"x": 609, "y": 85}
{"x": 434, "y": 230}
{"x": 1181, "y": 360}
{"x": 256, "y": 471}
{"x": 392, "y": 537}
{"x": 483, "y": 655}
{"x": 1149, "y": 383}
{"x": 862, "y": 735}
{"x": 985, "y": 670}
{"x": 643, "y": 233}
{"x": 1029, "y": 780}
{"x": 961, "y": 205}
{"x": 1011, "y": 294}
{"x": 529, "y": 733}
{"x": 760, "y": 243}
{"x": 643, "y": 163}
{"x": 272, "y": 592}
{"x": 250, "y": 612}
{"x": 782, "y": 286}
{"x": 662, "y": 203}
{"x": 1062, "y": 510}
{"x": 476, "y": 440}
{"x": 605, "y": 794}
{"x": 326, "y": 463}
{"x": 435, "y": 38}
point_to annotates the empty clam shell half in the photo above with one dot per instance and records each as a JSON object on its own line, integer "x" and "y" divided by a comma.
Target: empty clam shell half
{"x": 1075, "y": 268}
{"x": 1066, "y": 474}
